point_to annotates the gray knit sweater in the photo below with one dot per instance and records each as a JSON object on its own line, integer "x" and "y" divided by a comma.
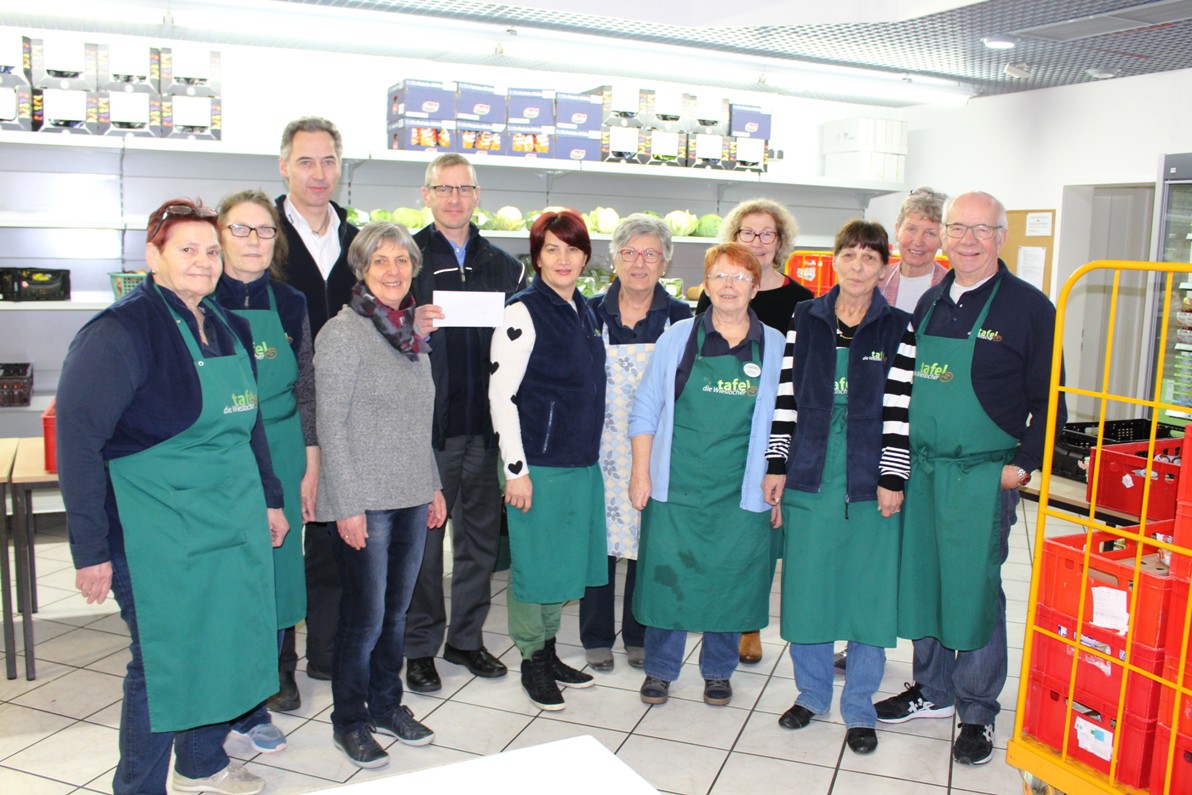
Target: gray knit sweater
{"x": 374, "y": 412}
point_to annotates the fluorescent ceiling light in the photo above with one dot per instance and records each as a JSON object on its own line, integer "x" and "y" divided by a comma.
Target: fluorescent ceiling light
{"x": 1000, "y": 42}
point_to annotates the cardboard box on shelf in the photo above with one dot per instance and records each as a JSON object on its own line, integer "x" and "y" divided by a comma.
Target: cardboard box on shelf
{"x": 747, "y": 154}
{"x": 60, "y": 62}
{"x": 878, "y": 166}
{"x": 578, "y": 113}
{"x": 578, "y": 145}
{"x": 531, "y": 106}
{"x": 129, "y": 68}
{"x": 422, "y": 135}
{"x": 16, "y": 104}
{"x": 65, "y": 110}
{"x": 190, "y": 71}
{"x": 711, "y": 114}
{"x": 130, "y": 113}
{"x": 623, "y": 145}
{"x": 195, "y": 118}
{"x": 421, "y": 100}
{"x": 477, "y": 103}
{"x": 478, "y": 138}
{"x": 665, "y": 148}
{"x": 622, "y": 104}
{"x": 749, "y": 121}
{"x": 524, "y": 140}
{"x": 705, "y": 150}
{"x": 865, "y": 134}
{"x": 669, "y": 110}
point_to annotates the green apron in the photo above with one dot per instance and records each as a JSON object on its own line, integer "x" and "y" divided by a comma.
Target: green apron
{"x": 840, "y": 571}
{"x": 557, "y": 548}
{"x": 197, "y": 540}
{"x": 951, "y": 561}
{"x": 277, "y": 371}
{"x": 703, "y": 560}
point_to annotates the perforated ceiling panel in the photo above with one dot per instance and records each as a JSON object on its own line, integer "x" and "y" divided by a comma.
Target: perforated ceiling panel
{"x": 1058, "y": 39}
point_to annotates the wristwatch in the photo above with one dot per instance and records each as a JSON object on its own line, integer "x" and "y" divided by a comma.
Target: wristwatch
{"x": 1024, "y": 477}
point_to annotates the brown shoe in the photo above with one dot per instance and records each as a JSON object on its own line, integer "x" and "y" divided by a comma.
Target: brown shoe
{"x": 751, "y": 647}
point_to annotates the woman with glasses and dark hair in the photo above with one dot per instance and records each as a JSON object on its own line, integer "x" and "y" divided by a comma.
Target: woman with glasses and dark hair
{"x": 378, "y": 483}
{"x": 698, "y": 427}
{"x": 254, "y": 256}
{"x": 838, "y": 457}
{"x": 546, "y": 395}
{"x": 769, "y": 230}
{"x": 172, "y": 504}
{"x": 631, "y": 317}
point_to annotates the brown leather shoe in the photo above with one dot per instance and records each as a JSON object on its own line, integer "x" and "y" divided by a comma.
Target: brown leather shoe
{"x": 751, "y": 647}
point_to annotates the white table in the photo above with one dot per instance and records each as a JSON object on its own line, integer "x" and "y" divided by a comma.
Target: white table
{"x": 576, "y": 766}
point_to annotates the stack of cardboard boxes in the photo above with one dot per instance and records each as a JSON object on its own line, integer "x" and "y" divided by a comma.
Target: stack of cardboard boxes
{"x": 865, "y": 148}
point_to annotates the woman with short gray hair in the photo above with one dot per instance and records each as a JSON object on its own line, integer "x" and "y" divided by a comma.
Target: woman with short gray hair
{"x": 631, "y": 317}
{"x": 378, "y": 483}
{"x": 917, "y": 232}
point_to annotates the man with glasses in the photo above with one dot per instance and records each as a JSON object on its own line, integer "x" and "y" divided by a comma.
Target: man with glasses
{"x": 977, "y": 431}
{"x": 455, "y": 257}
{"x": 319, "y": 235}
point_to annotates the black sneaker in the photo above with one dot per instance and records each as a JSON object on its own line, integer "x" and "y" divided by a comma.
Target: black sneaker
{"x": 910, "y": 704}
{"x": 655, "y": 690}
{"x": 360, "y": 748}
{"x": 974, "y": 746}
{"x": 564, "y": 673}
{"x": 717, "y": 692}
{"x": 402, "y": 725}
{"x": 839, "y": 661}
{"x": 537, "y": 677}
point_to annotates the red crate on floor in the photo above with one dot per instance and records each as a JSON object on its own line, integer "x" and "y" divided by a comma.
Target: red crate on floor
{"x": 1181, "y": 769}
{"x": 1175, "y": 625}
{"x": 1122, "y": 475}
{"x": 1091, "y": 731}
{"x": 1112, "y": 568}
{"x": 49, "y": 433}
{"x": 1096, "y": 677}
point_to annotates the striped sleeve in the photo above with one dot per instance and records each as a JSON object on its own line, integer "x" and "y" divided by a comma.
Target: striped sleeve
{"x": 786, "y": 413}
{"x": 895, "y": 465}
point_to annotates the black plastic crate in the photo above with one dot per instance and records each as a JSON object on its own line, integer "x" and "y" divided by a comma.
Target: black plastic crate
{"x": 1077, "y": 438}
{"x": 16, "y": 385}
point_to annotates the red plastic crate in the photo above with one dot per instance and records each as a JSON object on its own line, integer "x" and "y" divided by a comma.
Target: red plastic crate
{"x": 1095, "y": 677}
{"x": 1183, "y": 721}
{"x": 1090, "y": 731}
{"x": 49, "y": 432}
{"x": 1061, "y": 585}
{"x": 1181, "y": 768}
{"x": 812, "y": 269}
{"x": 1122, "y": 476}
{"x": 1175, "y": 624}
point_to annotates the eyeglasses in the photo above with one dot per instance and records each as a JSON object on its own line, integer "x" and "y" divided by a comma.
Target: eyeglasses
{"x": 980, "y": 231}
{"x": 263, "y": 232}
{"x": 650, "y": 255}
{"x": 767, "y": 236}
{"x": 465, "y": 191}
{"x": 181, "y": 210}
{"x": 744, "y": 278}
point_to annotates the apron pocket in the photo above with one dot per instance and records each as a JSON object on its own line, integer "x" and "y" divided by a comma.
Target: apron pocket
{"x": 204, "y": 524}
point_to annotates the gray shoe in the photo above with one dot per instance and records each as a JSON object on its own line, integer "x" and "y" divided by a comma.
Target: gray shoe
{"x": 232, "y": 780}
{"x": 600, "y": 659}
{"x": 637, "y": 656}
{"x": 402, "y": 725}
{"x": 655, "y": 690}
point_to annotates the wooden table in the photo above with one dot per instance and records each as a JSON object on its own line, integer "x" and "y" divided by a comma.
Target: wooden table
{"x": 8, "y": 454}
{"x": 28, "y": 475}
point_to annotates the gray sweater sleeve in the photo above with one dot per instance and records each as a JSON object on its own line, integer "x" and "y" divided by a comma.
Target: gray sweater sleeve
{"x": 337, "y": 368}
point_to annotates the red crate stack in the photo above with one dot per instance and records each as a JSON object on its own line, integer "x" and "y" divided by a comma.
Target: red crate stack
{"x": 1122, "y": 473}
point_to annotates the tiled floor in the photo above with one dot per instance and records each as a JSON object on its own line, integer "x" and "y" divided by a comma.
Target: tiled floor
{"x": 58, "y": 733}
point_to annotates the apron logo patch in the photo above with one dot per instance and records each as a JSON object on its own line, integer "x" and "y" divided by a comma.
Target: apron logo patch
{"x": 752, "y": 369}
{"x": 262, "y": 351}
{"x": 875, "y": 356}
{"x": 935, "y": 372}
{"x": 737, "y": 386}
{"x": 989, "y": 334}
{"x": 840, "y": 386}
{"x": 243, "y": 401}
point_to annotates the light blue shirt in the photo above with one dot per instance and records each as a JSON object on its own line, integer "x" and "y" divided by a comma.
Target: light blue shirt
{"x": 653, "y": 412}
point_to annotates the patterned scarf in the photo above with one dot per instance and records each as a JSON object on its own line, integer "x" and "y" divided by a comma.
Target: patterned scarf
{"x": 395, "y": 325}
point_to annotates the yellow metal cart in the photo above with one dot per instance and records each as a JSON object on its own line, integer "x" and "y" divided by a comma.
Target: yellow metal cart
{"x": 1104, "y": 695}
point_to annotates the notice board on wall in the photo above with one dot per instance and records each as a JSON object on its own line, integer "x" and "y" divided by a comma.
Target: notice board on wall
{"x": 1030, "y": 243}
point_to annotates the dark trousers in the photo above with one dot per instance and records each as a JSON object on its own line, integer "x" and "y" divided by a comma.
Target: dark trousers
{"x": 468, "y": 472}
{"x": 598, "y": 608}
{"x": 322, "y": 596}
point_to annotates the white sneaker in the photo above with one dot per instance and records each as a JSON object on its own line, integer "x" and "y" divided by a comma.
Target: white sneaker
{"x": 232, "y": 780}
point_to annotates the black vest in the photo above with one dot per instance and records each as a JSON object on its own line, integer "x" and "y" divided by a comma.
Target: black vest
{"x": 561, "y": 398}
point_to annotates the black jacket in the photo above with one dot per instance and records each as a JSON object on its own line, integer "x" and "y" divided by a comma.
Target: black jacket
{"x": 324, "y": 298}
{"x": 462, "y": 353}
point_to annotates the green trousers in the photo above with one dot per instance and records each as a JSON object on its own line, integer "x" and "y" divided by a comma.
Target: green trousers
{"x": 531, "y": 624}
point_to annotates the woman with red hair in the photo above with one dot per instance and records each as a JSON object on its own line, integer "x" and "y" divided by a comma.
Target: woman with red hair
{"x": 547, "y": 399}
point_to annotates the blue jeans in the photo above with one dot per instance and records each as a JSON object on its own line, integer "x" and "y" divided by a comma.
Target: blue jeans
{"x": 813, "y": 677}
{"x": 718, "y": 654}
{"x": 377, "y": 584}
{"x": 145, "y": 754}
{"x": 972, "y": 680}
{"x": 598, "y": 608}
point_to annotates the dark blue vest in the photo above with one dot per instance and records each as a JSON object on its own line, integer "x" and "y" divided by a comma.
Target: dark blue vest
{"x": 561, "y": 398}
